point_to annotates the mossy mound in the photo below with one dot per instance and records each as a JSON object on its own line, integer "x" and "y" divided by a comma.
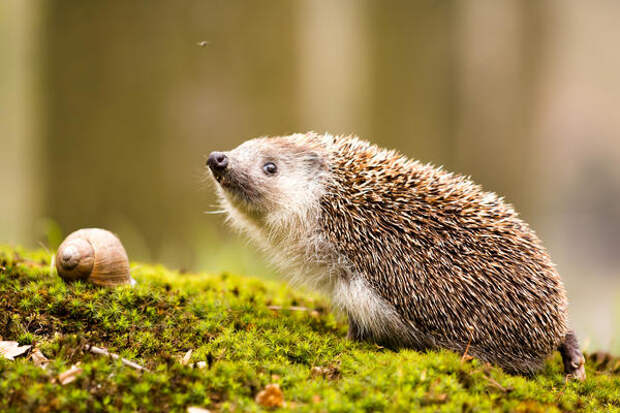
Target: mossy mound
{"x": 243, "y": 345}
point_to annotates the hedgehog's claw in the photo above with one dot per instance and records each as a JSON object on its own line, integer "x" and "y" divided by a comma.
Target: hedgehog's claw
{"x": 577, "y": 369}
{"x": 574, "y": 362}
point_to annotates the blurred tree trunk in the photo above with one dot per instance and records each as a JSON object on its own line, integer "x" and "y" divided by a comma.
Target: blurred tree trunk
{"x": 412, "y": 77}
{"x": 19, "y": 119}
{"x": 499, "y": 48}
{"x": 333, "y": 66}
{"x": 134, "y": 105}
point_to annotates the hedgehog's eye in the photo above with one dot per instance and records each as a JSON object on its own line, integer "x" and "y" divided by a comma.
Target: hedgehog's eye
{"x": 270, "y": 168}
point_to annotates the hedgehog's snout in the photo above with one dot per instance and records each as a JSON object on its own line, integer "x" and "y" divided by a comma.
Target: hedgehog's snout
{"x": 217, "y": 162}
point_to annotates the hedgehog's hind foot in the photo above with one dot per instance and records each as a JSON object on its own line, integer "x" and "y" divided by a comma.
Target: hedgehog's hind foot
{"x": 574, "y": 362}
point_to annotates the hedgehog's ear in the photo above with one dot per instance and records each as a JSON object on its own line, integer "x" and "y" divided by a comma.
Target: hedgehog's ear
{"x": 314, "y": 161}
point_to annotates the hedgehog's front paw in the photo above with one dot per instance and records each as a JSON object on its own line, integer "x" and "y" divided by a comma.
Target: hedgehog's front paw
{"x": 577, "y": 369}
{"x": 354, "y": 332}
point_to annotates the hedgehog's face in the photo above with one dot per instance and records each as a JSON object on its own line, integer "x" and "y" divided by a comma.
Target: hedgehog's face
{"x": 268, "y": 179}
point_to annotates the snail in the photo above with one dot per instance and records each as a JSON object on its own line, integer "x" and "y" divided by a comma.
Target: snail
{"x": 95, "y": 255}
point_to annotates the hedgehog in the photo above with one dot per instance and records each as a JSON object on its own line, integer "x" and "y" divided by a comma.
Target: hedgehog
{"x": 414, "y": 256}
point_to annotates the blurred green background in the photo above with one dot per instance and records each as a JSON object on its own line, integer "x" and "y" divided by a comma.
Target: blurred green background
{"x": 108, "y": 110}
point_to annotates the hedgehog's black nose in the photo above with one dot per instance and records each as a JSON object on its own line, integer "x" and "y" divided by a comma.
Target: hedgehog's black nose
{"x": 218, "y": 162}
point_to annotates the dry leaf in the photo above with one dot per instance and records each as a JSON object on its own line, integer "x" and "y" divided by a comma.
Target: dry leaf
{"x": 70, "y": 375}
{"x": 271, "y": 396}
{"x": 12, "y": 349}
{"x": 186, "y": 357}
{"x": 194, "y": 409}
{"x": 434, "y": 398}
{"x": 39, "y": 359}
{"x": 330, "y": 372}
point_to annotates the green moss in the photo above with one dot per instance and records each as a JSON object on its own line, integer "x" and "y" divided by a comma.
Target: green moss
{"x": 226, "y": 321}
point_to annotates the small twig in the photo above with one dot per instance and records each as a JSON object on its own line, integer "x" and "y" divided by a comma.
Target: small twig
{"x": 291, "y": 308}
{"x": 465, "y": 355}
{"x": 30, "y": 263}
{"x": 496, "y": 384}
{"x": 44, "y": 247}
{"x": 104, "y": 352}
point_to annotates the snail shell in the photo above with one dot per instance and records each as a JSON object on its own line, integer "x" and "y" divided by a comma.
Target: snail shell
{"x": 95, "y": 255}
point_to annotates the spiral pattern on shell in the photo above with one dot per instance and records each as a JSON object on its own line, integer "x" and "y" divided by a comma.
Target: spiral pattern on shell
{"x": 95, "y": 255}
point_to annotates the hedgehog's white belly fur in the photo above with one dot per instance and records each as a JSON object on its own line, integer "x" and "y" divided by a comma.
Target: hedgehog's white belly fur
{"x": 307, "y": 259}
{"x": 370, "y": 312}
{"x": 349, "y": 292}
{"x": 317, "y": 268}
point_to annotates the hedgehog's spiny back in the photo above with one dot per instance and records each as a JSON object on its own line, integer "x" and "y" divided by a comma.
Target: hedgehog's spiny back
{"x": 453, "y": 260}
